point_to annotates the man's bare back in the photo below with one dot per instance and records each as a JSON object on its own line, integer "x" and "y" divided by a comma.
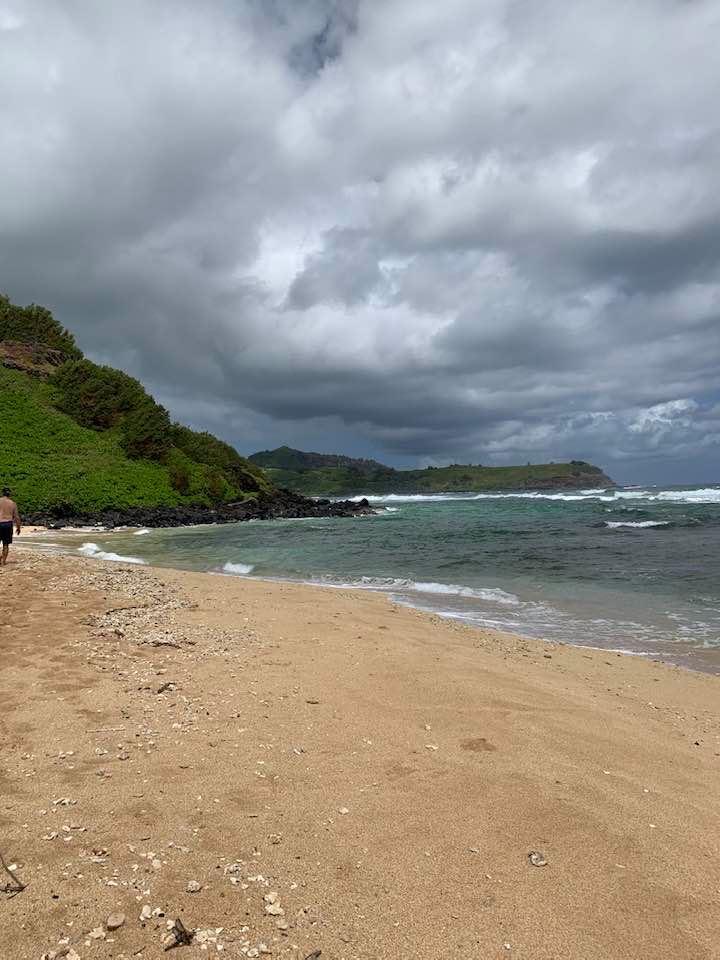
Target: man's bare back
{"x": 8, "y": 511}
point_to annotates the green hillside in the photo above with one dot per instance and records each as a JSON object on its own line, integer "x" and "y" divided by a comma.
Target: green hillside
{"x": 48, "y": 460}
{"x": 78, "y": 436}
{"x": 330, "y": 475}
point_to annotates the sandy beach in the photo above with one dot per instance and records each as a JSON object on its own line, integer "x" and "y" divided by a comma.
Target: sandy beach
{"x": 289, "y": 770}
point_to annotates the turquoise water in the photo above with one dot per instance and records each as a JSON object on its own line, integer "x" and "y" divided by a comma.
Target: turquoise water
{"x": 630, "y": 569}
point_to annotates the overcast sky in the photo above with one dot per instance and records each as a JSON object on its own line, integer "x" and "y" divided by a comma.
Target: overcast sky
{"x": 474, "y": 230}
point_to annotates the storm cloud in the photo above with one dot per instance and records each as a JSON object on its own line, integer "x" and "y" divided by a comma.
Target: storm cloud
{"x": 484, "y": 231}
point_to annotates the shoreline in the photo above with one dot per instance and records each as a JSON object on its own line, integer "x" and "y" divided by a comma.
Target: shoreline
{"x": 381, "y": 774}
{"x": 694, "y": 658}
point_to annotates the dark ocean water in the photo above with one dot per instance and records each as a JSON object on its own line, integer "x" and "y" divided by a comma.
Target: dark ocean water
{"x": 630, "y": 569}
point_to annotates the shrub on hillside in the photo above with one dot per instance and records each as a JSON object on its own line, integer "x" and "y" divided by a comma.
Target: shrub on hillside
{"x": 207, "y": 449}
{"x": 145, "y": 432}
{"x": 179, "y": 471}
{"x": 35, "y": 325}
{"x": 97, "y": 397}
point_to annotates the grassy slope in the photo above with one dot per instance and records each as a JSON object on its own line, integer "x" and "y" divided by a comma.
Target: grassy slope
{"x": 47, "y": 459}
{"x": 340, "y": 482}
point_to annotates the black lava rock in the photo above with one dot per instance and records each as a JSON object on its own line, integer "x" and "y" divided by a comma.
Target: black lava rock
{"x": 282, "y": 505}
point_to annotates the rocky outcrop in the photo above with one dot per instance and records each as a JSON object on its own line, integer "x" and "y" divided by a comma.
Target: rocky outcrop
{"x": 578, "y": 481}
{"x": 35, "y": 359}
{"x": 282, "y": 505}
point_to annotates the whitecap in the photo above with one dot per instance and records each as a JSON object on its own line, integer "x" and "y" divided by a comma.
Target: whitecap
{"x": 239, "y": 569}
{"x": 94, "y": 551}
{"x": 704, "y": 495}
{"x": 639, "y": 524}
{"x": 409, "y": 497}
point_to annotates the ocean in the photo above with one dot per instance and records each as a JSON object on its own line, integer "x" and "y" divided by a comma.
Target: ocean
{"x": 631, "y": 569}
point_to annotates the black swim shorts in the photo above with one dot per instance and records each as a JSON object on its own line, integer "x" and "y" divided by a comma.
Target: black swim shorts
{"x": 6, "y": 533}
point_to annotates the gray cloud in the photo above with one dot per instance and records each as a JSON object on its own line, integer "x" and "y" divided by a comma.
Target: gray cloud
{"x": 422, "y": 232}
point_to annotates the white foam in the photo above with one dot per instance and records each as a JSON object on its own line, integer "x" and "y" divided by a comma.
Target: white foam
{"x": 392, "y": 584}
{"x": 409, "y": 497}
{"x": 238, "y": 569}
{"x": 141, "y": 533}
{"x": 84, "y": 530}
{"x": 622, "y": 650}
{"x": 94, "y": 551}
{"x": 491, "y": 594}
{"x": 615, "y": 525}
{"x": 465, "y": 497}
{"x": 704, "y": 495}
{"x": 537, "y": 495}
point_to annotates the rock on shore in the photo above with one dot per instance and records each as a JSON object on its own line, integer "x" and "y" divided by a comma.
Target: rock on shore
{"x": 282, "y": 505}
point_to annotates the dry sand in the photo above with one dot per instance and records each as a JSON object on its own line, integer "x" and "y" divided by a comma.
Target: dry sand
{"x": 383, "y": 772}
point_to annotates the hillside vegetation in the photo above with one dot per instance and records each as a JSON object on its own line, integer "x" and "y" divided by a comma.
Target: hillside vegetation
{"x": 35, "y": 325}
{"x": 321, "y": 474}
{"x": 76, "y": 436}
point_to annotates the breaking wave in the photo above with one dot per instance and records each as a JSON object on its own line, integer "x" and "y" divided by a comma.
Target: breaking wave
{"x": 491, "y": 594}
{"x": 616, "y": 524}
{"x": 410, "y": 497}
{"x": 390, "y": 584}
{"x": 94, "y": 551}
{"x": 239, "y": 569}
{"x": 704, "y": 495}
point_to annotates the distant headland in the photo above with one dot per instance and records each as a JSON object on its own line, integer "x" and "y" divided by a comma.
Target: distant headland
{"x": 318, "y": 474}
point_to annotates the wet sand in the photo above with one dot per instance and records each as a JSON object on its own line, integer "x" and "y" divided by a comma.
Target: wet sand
{"x": 383, "y": 772}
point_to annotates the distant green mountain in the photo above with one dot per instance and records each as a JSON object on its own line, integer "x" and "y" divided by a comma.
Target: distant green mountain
{"x": 285, "y": 458}
{"x": 78, "y": 436}
{"x": 332, "y": 475}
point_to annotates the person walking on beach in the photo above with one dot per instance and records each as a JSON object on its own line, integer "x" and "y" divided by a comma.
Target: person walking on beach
{"x": 9, "y": 518}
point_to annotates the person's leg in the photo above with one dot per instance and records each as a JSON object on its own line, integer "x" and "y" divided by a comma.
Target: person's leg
{"x": 6, "y": 540}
